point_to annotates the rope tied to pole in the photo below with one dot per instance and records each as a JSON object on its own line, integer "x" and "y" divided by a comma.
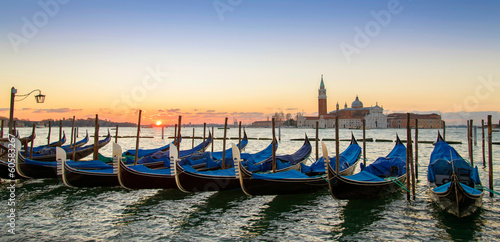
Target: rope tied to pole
{"x": 479, "y": 187}
{"x": 399, "y": 183}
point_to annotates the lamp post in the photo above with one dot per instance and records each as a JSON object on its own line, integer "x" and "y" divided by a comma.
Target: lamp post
{"x": 39, "y": 99}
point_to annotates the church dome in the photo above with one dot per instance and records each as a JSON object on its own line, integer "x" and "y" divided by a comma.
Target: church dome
{"x": 357, "y": 103}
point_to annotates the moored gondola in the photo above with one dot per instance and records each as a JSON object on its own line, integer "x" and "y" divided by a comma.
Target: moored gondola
{"x": 384, "y": 176}
{"x": 28, "y": 168}
{"x": 143, "y": 176}
{"x": 191, "y": 180}
{"x": 80, "y": 152}
{"x": 308, "y": 179}
{"x": 75, "y": 177}
{"x": 452, "y": 181}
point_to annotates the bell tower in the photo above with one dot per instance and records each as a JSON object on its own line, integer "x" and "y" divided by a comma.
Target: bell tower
{"x": 322, "y": 109}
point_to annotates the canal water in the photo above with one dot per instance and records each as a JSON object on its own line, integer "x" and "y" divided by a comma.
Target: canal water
{"x": 47, "y": 210}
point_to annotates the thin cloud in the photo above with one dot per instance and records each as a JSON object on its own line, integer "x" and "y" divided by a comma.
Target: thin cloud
{"x": 56, "y": 110}
{"x": 175, "y": 110}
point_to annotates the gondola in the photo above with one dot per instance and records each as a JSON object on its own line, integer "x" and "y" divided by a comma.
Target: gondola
{"x": 452, "y": 181}
{"x": 381, "y": 178}
{"x": 7, "y": 164}
{"x": 42, "y": 149}
{"x": 211, "y": 160}
{"x": 29, "y": 168}
{"x": 308, "y": 179}
{"x": 80, "y": 152}
{"x": 56, "y": 143}
{"x": 142, "y": 176}
{"x": 189, "y": 179}
{"x": 75, "y": 177}
{"x": 161, "y": 159}
{"x": 147, "y": 152}
{"x": 106, "y": 175}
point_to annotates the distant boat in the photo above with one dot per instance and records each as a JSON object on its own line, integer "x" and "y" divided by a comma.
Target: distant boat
{"x": 223, "y": 128}
{"x": 366, "y": 128}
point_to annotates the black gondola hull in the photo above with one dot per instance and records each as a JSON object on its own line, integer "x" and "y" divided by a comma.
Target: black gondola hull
{"x": 36, "y": 171}
{"x": 5, "y": 173}
{"x": 132, "y": 179}
{"x": 342, "y": 188}
{"x": 194, "y": 182}
{"x": 88, "y": 178}
{"x": 456, "y": 201}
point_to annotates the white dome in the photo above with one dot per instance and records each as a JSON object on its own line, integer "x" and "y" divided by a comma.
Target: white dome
{"x": 357, "y": 103}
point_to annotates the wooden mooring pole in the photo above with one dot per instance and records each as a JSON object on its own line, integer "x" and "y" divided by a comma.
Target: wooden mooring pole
{"x": 1, "y": 130}
{"x": 224, "y": 146}
{"x": 213, "y": 139}
{"x": 273, "y": 166}
{"x": 444, "y": 130}
{"x": 337, "y": 158}
{"x": 483, "y": 143}
{"x": 32, "y": 141}
{"x": 72, "y": 132}
{"x": 175, "y": 135}
{"x": 475, "y": 135}
{"x": 408, "y": 157}
{"x": 192, "y": 143}
{"x": 364, "y": 141}
{"x": 239, "y": 136}
{"x": 490, "y": 154}
{"x": 204, "y": 135}
{"x": 416, "y": 149}
{"x": 48, "y": 136}
{"x": 162, "y": 132}
{"x": 60, "y": 133}
{"x": 96, "y": 138}
{"x": 317, "y": 140}
{"x": 137, "y": 138}
{"x": 471, "y": 124}
{"x": 116, "y": 134}
{"x": 74, "y": 146}
{"x": 179, "y": 134}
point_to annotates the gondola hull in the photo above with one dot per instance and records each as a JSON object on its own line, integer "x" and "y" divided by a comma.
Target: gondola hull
{"x": 6, "y": 174}
{"x": 273, "y": 186}
{"x": 35, "y": 171}
{"x": 88, "y": 178}
{"x": 457, "y": 201}
{"x": 132, "y": 179}
{"x": 195, "y": 182}
{"x": 79, "y": 153}
{"x": 344, "y": 188}
{"x": 285, "y": 186}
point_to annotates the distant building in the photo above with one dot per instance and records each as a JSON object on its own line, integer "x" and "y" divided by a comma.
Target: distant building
{"x": 348, "y": 117}
{"x": 425, "y": 121}
{"x": 262, "y": 124}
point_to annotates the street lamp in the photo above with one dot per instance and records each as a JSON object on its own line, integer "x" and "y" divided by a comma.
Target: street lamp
{"x": 39, "y": 99}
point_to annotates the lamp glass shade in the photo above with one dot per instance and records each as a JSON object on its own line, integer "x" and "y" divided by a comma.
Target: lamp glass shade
{"x": 40, "y": 98}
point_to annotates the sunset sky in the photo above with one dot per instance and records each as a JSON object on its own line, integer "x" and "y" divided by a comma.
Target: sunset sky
{"x": 243, "y": 59}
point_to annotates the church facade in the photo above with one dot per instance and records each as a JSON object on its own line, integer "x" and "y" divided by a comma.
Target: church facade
{"x": 349, "y": 117}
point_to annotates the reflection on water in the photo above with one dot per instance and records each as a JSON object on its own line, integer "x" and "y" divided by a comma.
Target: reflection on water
{"x": 458, "y": 229}
{"x": 359, "y": 215}
{"x": 46, "y": 210}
